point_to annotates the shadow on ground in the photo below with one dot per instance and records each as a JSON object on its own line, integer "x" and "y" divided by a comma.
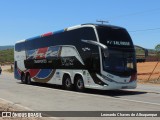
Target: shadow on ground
{"x": 112, "y": 93}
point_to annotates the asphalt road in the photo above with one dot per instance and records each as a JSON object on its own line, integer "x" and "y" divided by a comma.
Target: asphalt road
{"x": 44, "y": 97}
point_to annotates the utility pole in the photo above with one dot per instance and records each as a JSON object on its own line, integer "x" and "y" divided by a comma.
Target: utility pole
{"x": 102, "y": 21}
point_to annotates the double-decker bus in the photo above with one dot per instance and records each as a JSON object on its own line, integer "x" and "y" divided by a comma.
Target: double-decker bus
{"x": 83, "y": 56}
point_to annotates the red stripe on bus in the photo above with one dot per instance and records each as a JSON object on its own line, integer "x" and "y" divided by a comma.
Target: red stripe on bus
{"x": 47, "y": 34}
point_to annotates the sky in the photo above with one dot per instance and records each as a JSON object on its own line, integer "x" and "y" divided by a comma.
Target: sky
{"x": 22, "y": 19}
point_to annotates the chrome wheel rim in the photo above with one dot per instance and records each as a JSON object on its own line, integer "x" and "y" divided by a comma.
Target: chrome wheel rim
{"x": 68, "y": 82}
{"x": 80, "y": 84}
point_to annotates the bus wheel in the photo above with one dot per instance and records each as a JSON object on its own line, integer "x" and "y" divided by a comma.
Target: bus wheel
{"x": 29, "y": 79}
{"x": 67, "y": 84}
{"x": 79, "y": 84}
{"x": 23, "y": 79}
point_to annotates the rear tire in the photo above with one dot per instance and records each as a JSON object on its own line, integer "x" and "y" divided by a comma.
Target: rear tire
{"x": 79, "y": 84}
{"x": 67, "y": 83}
{"x": 23, "y": 79}
{"x": 29, "y": 82}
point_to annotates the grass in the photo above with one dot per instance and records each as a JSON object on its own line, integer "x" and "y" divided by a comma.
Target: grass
{"x": 6, "y": 56}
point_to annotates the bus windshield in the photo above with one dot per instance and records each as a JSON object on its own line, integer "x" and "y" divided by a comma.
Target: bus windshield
{"x": 121, "y": 54}
{"x": 119, "y": 62}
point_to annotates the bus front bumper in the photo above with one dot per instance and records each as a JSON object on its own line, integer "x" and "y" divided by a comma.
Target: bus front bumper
{"x": 114, "y": 86}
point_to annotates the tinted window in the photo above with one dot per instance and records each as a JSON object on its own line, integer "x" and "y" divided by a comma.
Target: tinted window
{"x": 72, "y": 37}
{"x": 114, "y": 37}
{"x": 20, "y": 47}
{"x": 120, "y": 63}
{"x": 29, "y": 45}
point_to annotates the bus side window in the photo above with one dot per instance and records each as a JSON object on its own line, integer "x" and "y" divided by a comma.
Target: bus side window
{"x": 20, "y": 47}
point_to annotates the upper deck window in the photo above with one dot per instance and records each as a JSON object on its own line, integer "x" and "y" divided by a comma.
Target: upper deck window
{"x": 20, "y": 47}
{"x": 114, "y": 37}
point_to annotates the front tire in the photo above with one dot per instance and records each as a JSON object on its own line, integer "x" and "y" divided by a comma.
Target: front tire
{"x": 67, "y": 83}
{"x": 79, "y": 84}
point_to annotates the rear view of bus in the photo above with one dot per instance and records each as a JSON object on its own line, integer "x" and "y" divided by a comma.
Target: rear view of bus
{"x": 84, "y": 56}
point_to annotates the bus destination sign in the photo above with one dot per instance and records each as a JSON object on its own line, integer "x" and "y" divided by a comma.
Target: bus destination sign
{"x": 118, "y": 43}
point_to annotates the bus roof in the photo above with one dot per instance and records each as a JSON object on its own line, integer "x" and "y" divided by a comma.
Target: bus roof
{"x": 103, "y": 25}
{"x": 71, "y": 28}
{"x": 20, "y": 41}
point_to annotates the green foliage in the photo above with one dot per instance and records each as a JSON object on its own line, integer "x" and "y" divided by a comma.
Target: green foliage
{"x": 140, "y": 52}
{"x": 157, "y": 48}
{"x": 6, "y": 56}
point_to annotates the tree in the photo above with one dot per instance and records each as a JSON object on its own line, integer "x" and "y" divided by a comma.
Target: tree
{"x": 157, "y": 48}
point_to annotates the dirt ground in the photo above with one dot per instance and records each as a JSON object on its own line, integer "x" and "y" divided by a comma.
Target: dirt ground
{"x": 6, "y": 106}
{"x": 149, "y": 72}
{"x": 6, "y": 69}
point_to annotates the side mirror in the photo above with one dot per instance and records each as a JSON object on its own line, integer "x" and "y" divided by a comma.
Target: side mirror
{"x": 146, "y": 52}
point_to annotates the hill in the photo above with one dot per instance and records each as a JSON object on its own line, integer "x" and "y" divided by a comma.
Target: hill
{"x": 6, "y": 47}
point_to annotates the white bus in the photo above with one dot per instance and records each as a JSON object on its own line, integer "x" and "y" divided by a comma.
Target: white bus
{"x": 83, "y": 56}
